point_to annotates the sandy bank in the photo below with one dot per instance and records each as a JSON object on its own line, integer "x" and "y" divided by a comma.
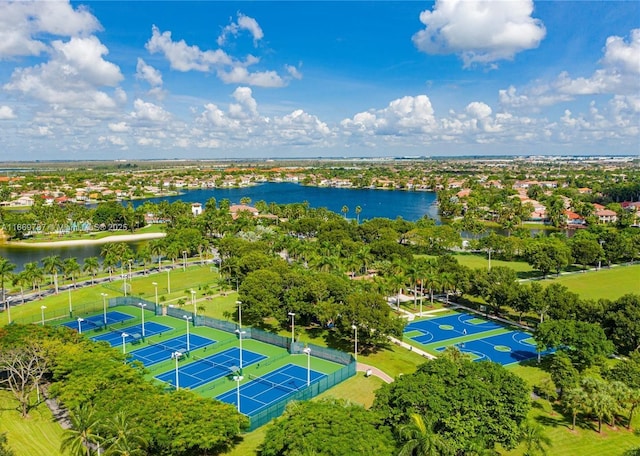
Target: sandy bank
{"x": 78, "y": 242}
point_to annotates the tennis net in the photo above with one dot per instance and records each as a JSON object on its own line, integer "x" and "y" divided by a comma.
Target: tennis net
{"x": 279, "y": 386}
{"x": 218, "y": 366}
{"x": 166, "y": 347}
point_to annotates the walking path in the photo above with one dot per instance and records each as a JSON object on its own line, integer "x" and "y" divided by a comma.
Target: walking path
{"x": 410, "y": 347}
{"x": 360, "y": 367}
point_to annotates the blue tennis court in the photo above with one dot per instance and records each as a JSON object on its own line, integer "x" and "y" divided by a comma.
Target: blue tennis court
{"x": 161, "y": 351}
{"x": 96, "y": 321}
{"x": 207, "y": 369}
{"x": 263, "y": 391}
{"x": 115, "y": 337}
{"x": 449, "y": 327}
{"x": 508, "y": 348}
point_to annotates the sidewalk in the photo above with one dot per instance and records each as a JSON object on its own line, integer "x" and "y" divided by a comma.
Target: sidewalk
{"x": 409, "y": 347}
{"x": 360, "y": 367}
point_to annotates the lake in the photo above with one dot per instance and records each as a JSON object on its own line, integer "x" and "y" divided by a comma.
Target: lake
{"x": 374, "y": 203}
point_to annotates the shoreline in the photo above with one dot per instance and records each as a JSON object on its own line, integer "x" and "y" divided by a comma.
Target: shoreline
{"x": 81, "y": 242}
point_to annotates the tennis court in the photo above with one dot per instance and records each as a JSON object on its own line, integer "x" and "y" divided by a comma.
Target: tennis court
{"x": 261, "y": 392}
{"x": 161, "y": 351}
{"x": 97, "y": 321}
{"x": 449, "y": 327}
{"x": 205, "y": 370}
{"x": 508, "y": 348}
{"x": 115, "y": 337}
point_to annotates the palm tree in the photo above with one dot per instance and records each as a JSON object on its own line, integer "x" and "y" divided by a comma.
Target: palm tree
{"x": 127, "y": 437}
{"x": 432, "y": 282}
{"x": 448, "y": 283}
{"x": 6, "y": 267}
{"x": 21, "y": 279}
{"x": 345, "y": 210}
{"x": 82, "y": 435}
{"x": 396, "y": 283}
{"x": 91, "y": 266}
{"x": 421, "y": 440}
{"x": 34, "y": 273}
{"x": 157, "y": 248}
{"x": 71, "y": 269}
{"x": 598, "y": 400}
{"x": 534, "y": 438}
{"x": 51, "y": 265}
{"x": 358, "y": 210}
{"x": 143, "y": 255}
{"x": 414, "y": 274}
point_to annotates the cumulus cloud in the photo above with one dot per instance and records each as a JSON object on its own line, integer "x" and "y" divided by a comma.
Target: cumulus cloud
{"x": 148, "y": 73}
{"x": 73, "y": 77}
{"x": 119, "y": 127}
{"x": 243, "y": 23}
{"x": 23, "y": 22}
{"x": 240, "y": 75}
{"x": 148, "y": 111}
{"x": 6, "y": 113}
{"x": 183, "y": 57}
{"x": 619, "y": 75}
{"x": 483, "y": 31}
{"x": 402, "y": 116}
{"x": 230, "y": 70}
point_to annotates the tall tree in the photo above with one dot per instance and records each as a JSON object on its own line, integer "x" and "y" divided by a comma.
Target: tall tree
{"x": 83, "y": 434}
{"x": 51, "y": 265}
{"x": 419, "y": 439}
{"x": 91, "y": 266}
{"x": 6, "y": 267}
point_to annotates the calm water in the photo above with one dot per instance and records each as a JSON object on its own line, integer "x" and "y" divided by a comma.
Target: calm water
{"x": 374, "y": 203}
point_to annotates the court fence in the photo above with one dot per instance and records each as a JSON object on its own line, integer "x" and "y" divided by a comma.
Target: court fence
{"x": 347, "y": 361}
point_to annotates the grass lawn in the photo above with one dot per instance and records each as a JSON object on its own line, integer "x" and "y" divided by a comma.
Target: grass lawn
{"x": 88, "y": 299}
{"x": 35, "y": 435}
{"x": 606, "y": 283}
{"x": 481, "y": 261}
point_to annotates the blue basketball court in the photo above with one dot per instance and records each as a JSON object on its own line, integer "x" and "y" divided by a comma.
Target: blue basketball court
{"x": 264, "y": 391}
{"x": 161, "y": 351}
{"x": 115, "y": 337}
{"x": 96, "y": 321}
{"x": 449, "y": 327}
{"x": 508, "y": 348}
{"x": 208, "y": 369}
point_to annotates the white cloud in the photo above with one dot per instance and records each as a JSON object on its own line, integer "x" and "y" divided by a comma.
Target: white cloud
{"x": 119, "y": 127}
{"x": 293, "y": 71}
{"x": 482, "y": 31}
{"x": 240, "y": 75}
{"x": 402, "y": 116}
{"x": 72, "y": 77}
{"x": 619, "y": 75}
{"x": 246, "y": 105}
{"x": 148, "y": 73}
{"x": 183, "y": 57}
{"x": 230, "y": 70}
{"x": 148, "y": 111}
{"x": 114, "y": 140}
{"x": 23, "y": 22}
{"x": 6, "y": 113}
{"x": 244, "y": 23}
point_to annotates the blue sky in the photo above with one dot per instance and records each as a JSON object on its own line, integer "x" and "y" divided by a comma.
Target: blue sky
{"x": 221, "y": 80}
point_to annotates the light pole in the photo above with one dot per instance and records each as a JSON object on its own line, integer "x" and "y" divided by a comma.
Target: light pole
{"x": 176, "y": 356}
{"x": 184, "y": 260}
{"x": 124, "y": 278}
{"x": 42, "y": 313}
{"x": 130, "y": 276}
{"x": 155, "y": 285}
{"x": 142, "y": 306}
{"x": 193, "y": 301}
{"x": 489, "y": 259}
{"x": 188, "y": 319}
{"x": 70, "y": 307}
{"x": 238, "y": 379}
{"x": 124, "y": 342}
{"x": 601, "y": 241}
{"x": 168, "y": 280}
{"x": 80, "y": 320}
{"x": 308, "y": 352}
{"x": 355, "y": 351}
{"x": 104, "y": 307}
{"x": 293, "y": 325}
{"x": 239, "y": 303}
{"x": 6, "y": 303}
{"x": 240, "y": 333}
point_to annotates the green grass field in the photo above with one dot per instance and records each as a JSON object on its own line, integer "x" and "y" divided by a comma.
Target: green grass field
{"x": 36, "y": 435}
{"x": 606, "y": 283}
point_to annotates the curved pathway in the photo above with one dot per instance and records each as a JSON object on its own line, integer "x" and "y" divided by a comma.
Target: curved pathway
{"x": 360, "y": 367}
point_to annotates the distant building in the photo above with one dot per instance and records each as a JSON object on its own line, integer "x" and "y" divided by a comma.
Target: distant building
{"x": 196, "y": 209}
{"x": 237, "y": 208}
